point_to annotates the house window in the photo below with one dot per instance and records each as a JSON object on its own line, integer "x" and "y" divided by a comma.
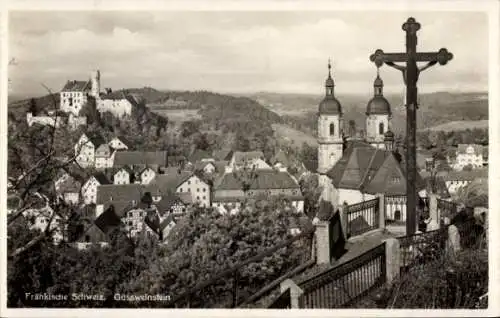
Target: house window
{"x": 198, "y": 190}
{"x": 189, "y": 182}
{"x": 180, "y": 190}
{"x": 381, "y": 128}
{"x": 204, "y": 197}
{"x": 198, "y": 198}
{"x": 332, "y": 129}
{"x": 129, "y": 223}
{"x": 87, "y": 238}
{"x": 203, "y": 189}
{"x": 130, "y": 214}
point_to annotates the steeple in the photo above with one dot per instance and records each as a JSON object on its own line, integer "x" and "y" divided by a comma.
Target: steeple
{"x": 378, "y": 85}
{"x": 329, "y": 84}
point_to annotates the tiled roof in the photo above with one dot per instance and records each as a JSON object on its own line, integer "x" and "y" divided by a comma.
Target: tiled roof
{"x": 108, "y": 220}
{"x": 76, "y": 86}
{"x": 168, "y": 182}
{"x": 280, "y": 157}
{"x": 96, "y": 139}
{"x": 242, "y": 157}
{"x": 120, "y": 207}
{"x": 224, "y": 154}
{"x": 370, "y": 170}
{"x": 262, "y": 179}
{"x": 95, "y": 234}
{"x": 125, "y": 158}
{"x": 119, "y": 192}
{"x": 70, "y": 184}
{"x": 198, "y": 154}
{"x": 200, "y": 165}
{"x": 176, "y": 160}
{"x": 462, "y": 148}
{"x": 124, "y": 140}
{"x": 103, "y": 148}
{"x": 291, "y": 197}
{"x": 101, "y": 178}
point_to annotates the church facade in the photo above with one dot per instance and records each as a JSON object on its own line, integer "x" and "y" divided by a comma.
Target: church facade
{"x": 355, "y": 168}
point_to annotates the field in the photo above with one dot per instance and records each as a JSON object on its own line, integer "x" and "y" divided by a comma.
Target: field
{"x": 460, "y": 125}
{"x": 294, "y": 136}
{"x": 178, "y": 115}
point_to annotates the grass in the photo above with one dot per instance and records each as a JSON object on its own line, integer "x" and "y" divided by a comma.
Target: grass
{"x": 460, "y": 125}
{"x": 293, "y": 135}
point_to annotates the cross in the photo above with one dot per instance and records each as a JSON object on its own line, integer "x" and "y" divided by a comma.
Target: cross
{"x": 411, "y": 74}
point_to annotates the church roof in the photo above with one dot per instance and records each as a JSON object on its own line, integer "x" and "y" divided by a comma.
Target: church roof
{"x": 369, "y": 170}
{"x": 378, "y": 105}
{"x": 76, "y": 86}
{"x": 330, "y": 106}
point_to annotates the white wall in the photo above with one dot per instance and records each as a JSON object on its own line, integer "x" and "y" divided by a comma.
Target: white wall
{"x": 78, "y": 100}
{"x": 118, "y": 107}
{"x": 200, "y": 191}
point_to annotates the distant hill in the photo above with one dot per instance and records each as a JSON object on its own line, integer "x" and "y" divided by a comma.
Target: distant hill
{"x": 460, "y": 125}
{"x": 435, "y": 108}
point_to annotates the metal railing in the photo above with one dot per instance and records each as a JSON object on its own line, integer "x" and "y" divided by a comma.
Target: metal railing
{"x": 229, "y": 288}
{"x": 418, "y": 249}
{"x": 347, "y": 283}
{"x": 447, "y": 208}
{"x": 362, "y": 217}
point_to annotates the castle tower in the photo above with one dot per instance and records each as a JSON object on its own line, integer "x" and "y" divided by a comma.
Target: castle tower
{"x": 95, "y": 80}
{"x": 378, "y": 115}
{"x": 330, "y": 135}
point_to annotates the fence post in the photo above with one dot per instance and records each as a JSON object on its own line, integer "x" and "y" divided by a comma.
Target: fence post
{"x": 295, "y": 292}
{"x": 434, "y": 212}
{"x": 392, "y": 259}
{"x": 381, "y": 210}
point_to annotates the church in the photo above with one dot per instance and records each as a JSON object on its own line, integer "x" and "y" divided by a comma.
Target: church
{"x": 354, "y": 168}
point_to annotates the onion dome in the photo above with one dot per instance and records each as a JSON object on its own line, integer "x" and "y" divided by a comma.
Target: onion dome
{"x": 378, "y": 105}
{"x": 330, "y": 105}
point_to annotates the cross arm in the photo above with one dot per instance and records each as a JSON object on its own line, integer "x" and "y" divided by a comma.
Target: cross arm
{"x": 442, "y": 56}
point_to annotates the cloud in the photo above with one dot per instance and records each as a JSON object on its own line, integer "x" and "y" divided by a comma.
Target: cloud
{"x": 238, "y": 51}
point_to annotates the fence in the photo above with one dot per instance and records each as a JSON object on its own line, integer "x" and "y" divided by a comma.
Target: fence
{"x": 446, "y": 208}
{"x": 417, "y": 249}
{"x": 231, "y": 287}
{"x": 362, "y": 217}
{"x": 345, "y": 284}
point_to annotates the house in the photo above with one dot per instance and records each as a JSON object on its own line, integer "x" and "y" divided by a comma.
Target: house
{"x": 120, "y": 104}
{"x": 249, "y": 159}
{"x": 173, "y": 203}
{"x": 146, "y": 175}
{"x": 39, "y": 218}
{"x": 85, "y": 149}
{"x": 119, "y": 143}
{"x": 104, "y": 156}
{"x": 74, "y": 96}
{"x": 468, "y": 155}
{"x": 229, "y": 190}
{"x": 207, "y": 167}
{"x": 455, "y": 180}
{"x": 160, "y": 229}
{"x": 176, "y": 161}
{"x": 156, "y": 160}
{"x": 118, "y": 195}
{"x": 89, "y": 188}
{"x": 98, "y": 232}
{"x": 124, "y": 175}
{"x": 200, "y": 155}
{"x": 181, "y": 182}
{"x": 68, "y": 189}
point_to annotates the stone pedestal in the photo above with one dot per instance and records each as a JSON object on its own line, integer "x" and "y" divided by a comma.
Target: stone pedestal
{"x": 433, "y": 209}
{"x": 295, "y": 292}
{"x": 392, "y": 259}
{"x": 381, "y": 210}
{"x": 322, "y": 242}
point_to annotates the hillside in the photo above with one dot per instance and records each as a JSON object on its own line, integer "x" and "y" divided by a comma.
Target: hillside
{"x": 435, "y": 108}
{"x": 460, "y": 125}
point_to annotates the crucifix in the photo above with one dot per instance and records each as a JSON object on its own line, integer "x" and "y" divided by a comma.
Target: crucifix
{"x": 411, "y": 73}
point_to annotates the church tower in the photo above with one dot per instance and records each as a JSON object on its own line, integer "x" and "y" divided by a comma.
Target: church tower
{"x": 95, "y": 81}
{"x": 378, "y": 115}
{"x": 330, "y": 134}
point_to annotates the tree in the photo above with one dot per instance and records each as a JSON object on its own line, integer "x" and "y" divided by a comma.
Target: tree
{"x": 467, "y": 168}
{"x": 32, "y": 107}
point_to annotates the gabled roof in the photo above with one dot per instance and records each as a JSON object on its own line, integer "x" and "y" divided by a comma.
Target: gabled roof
{"x": 69, "y": 184}
{"x": 95, "y": 234}
{"x": 76, "y": 86}
{"x": 176, "y": 160}
{"x": 123, "y": 140}
{"x": 370, "y": 170}
{"x": 127, "y": 169}
{"x": 168, "y": 182}
{"x": 103, "y": 148}
{"x": 96, "y": 139}
{"x": 108, "y": 220}
{"x": 200, "y": 165}
{"x": 101, "y": 178}
{"x": 262, "y": 179}
{"x": 223, "y": 154}
{"x": 280, "y": 157}
{"x": 119, "y": 192}
{"x": 126, "y": 158}
{"x": 199, "y": 154}
{"x": 243, "y": 157}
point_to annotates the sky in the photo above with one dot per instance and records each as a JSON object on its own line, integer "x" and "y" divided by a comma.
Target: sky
{"x": 239, "y": 52}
